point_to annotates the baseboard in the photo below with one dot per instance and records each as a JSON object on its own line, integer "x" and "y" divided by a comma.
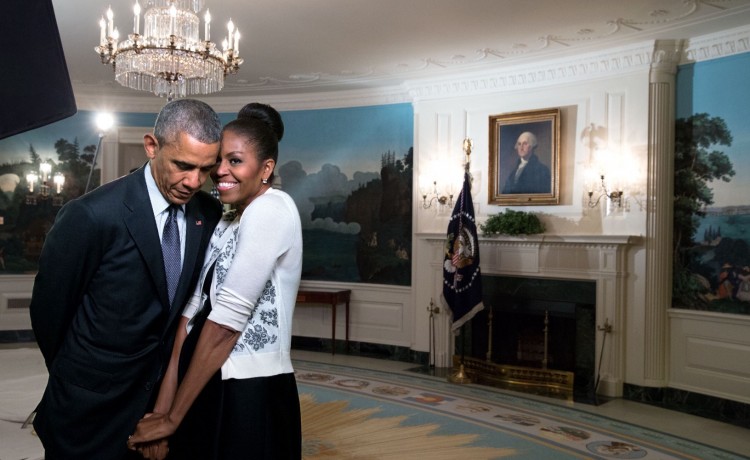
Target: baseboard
{"x": 20, "y": 337}
{"x": 723, "y": 410}
{"x": 364, "y": 349}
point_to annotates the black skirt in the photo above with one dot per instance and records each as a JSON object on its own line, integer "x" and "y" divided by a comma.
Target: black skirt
{"x": 236, "y": 419}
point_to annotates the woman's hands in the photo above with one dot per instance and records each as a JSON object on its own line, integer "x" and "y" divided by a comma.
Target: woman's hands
{"x": 154, "y": 450}
{"x": 213, "y": 348}
{"x": 150, "y": 436}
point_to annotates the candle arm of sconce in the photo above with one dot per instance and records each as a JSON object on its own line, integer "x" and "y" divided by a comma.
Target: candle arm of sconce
{"x": 614, "y": 195}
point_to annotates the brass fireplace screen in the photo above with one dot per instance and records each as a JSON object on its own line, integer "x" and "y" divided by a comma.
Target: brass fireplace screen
{"x": 534, "y": 376}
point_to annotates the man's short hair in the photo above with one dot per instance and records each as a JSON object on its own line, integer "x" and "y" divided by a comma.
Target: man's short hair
{"x": 193, "y": 117}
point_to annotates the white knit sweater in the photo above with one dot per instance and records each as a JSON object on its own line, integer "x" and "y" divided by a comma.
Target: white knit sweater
{"x": 258, "y": 259}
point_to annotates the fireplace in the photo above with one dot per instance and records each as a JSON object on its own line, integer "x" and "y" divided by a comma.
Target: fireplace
{"x": 535, "y": 334}
{"x": 599, "y": 262}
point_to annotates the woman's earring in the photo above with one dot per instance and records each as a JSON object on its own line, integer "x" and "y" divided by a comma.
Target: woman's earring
{"x": 264, "y": 181}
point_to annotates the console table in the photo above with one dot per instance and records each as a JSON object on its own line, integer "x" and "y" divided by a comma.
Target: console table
{"x": 332, "y": 297}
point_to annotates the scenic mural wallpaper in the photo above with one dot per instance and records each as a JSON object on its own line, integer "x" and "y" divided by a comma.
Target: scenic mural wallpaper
{"x": 348, "y": 170}
{"x": 712, "y": 186}
{"x": 350, "y": 174}
{"x": 30, "y": 165}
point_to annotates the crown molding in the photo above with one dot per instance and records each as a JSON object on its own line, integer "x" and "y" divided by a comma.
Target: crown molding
{"x": 317, "y": 100}
{"x": 500, "y": 78}
{"x": 127, "y": 100}
{"x": 726, "y": 43}
{"x": 613, "y": 62}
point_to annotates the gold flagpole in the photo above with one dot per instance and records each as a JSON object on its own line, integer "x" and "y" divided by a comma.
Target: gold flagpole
{"x": 489, "y": 335}
{"x": 468, "y": 144}
{"x": 461, "y": 376}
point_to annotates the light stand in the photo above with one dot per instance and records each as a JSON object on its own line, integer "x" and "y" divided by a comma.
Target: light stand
{"x": 93, "y": 162}
{"x": 104, "y": 122}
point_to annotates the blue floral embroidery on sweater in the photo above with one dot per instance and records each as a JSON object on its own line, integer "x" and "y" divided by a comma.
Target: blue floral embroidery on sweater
{"x": 268, "y": 295}
{"x": 225, "y": 259}
{"x": 270, "y": 317}
{"x": 256, "y": 336}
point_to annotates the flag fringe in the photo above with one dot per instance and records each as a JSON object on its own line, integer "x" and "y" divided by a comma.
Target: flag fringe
{"x": 456, "y": 325}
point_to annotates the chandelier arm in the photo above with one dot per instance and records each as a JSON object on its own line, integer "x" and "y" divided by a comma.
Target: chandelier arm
{"x": 169, "y": 59}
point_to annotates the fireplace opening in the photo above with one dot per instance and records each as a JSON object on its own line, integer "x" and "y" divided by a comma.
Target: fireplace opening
{"x": 540, "y": 336}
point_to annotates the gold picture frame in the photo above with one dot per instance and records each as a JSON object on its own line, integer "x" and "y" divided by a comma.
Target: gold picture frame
{"x": 538, "y": 181}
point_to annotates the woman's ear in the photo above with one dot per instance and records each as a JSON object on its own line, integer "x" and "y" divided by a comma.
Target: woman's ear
{"x": 269, "y": 165}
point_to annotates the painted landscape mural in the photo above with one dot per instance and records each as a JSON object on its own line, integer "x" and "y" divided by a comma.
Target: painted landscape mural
{"x": 712, "y": 187}
{"x": 348, "y": 170}
{"x": 350, "y": 174}
{"x": 30, "y": 165}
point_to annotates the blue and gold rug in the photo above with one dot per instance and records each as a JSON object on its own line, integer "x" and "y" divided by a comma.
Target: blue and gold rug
{"x": 359, "y": 414}
{"x": 352, "y": 413}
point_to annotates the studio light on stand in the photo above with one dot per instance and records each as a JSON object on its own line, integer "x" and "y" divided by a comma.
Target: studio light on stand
{"x": 104, "y": 122}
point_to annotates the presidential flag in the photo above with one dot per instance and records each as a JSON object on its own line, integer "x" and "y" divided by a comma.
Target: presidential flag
{"x": 462, "y": 279}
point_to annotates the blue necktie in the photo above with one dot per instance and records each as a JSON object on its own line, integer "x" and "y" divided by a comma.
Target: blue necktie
{"x": 170, "y": 248}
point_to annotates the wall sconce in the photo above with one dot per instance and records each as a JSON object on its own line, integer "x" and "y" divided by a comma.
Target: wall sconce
{"x": 435, "y": 196}
{"x": 31, "y": 179}
{"x": 616, "y": 195}
{"x": 59, "y": 181}
{"x": 45, "y": 171}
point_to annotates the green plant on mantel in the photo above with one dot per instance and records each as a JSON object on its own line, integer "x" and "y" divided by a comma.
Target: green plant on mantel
{"x": 512, "y": 223}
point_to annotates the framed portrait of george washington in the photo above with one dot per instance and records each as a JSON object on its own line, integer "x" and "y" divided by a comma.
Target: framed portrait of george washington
{"x": 524, "y": 158}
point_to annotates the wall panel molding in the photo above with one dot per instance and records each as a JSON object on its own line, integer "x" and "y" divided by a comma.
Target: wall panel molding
{"x": 710, "y": 353}
{"x": 15, "y": 293}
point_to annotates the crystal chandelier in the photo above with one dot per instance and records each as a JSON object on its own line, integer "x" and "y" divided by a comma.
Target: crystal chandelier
{"x": 169, "y": 59}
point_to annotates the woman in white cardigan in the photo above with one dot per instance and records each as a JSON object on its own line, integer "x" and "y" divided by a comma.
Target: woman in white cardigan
{"x": 229, "y": 391}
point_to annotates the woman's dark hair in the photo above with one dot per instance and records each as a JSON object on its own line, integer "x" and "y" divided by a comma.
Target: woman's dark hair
{"x": 261, "y": 124}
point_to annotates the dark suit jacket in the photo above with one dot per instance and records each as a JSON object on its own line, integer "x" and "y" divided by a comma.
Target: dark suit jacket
{"x": 101, "y": 316}
{"x": 534, "y": 178}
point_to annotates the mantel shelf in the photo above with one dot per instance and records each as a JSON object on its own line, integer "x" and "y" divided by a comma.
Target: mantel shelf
{"x": 548, "y": 239}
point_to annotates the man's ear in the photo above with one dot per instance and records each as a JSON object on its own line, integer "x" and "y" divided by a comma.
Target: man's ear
{"x": 151, "y": 145}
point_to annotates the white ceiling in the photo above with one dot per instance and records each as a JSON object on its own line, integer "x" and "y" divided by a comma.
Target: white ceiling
{"x": 304, "y": 46}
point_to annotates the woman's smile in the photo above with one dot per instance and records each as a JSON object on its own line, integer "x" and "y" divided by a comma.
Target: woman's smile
{"x": 221, "y": 186}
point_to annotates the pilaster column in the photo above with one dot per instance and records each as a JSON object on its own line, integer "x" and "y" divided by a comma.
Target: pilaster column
{"x": 659, "y": 212}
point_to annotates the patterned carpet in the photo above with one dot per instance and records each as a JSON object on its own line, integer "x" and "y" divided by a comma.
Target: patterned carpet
{"x": 360, "y": 414}
{"x": 364, "y": 414}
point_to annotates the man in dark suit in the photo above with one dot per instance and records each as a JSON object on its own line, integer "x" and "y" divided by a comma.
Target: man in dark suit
{"x": 101, "y": 309}
{"x": 530, "y": 175}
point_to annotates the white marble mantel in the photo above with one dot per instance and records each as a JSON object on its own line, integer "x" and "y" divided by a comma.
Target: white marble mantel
{"x": 599, "y": 258}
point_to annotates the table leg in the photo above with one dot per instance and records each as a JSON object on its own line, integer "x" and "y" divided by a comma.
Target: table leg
{"x": 333, "y": 328}
{"x": 347, "y": 327}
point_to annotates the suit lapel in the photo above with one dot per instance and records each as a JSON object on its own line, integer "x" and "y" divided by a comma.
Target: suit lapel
{"x": 142, "y": 227}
